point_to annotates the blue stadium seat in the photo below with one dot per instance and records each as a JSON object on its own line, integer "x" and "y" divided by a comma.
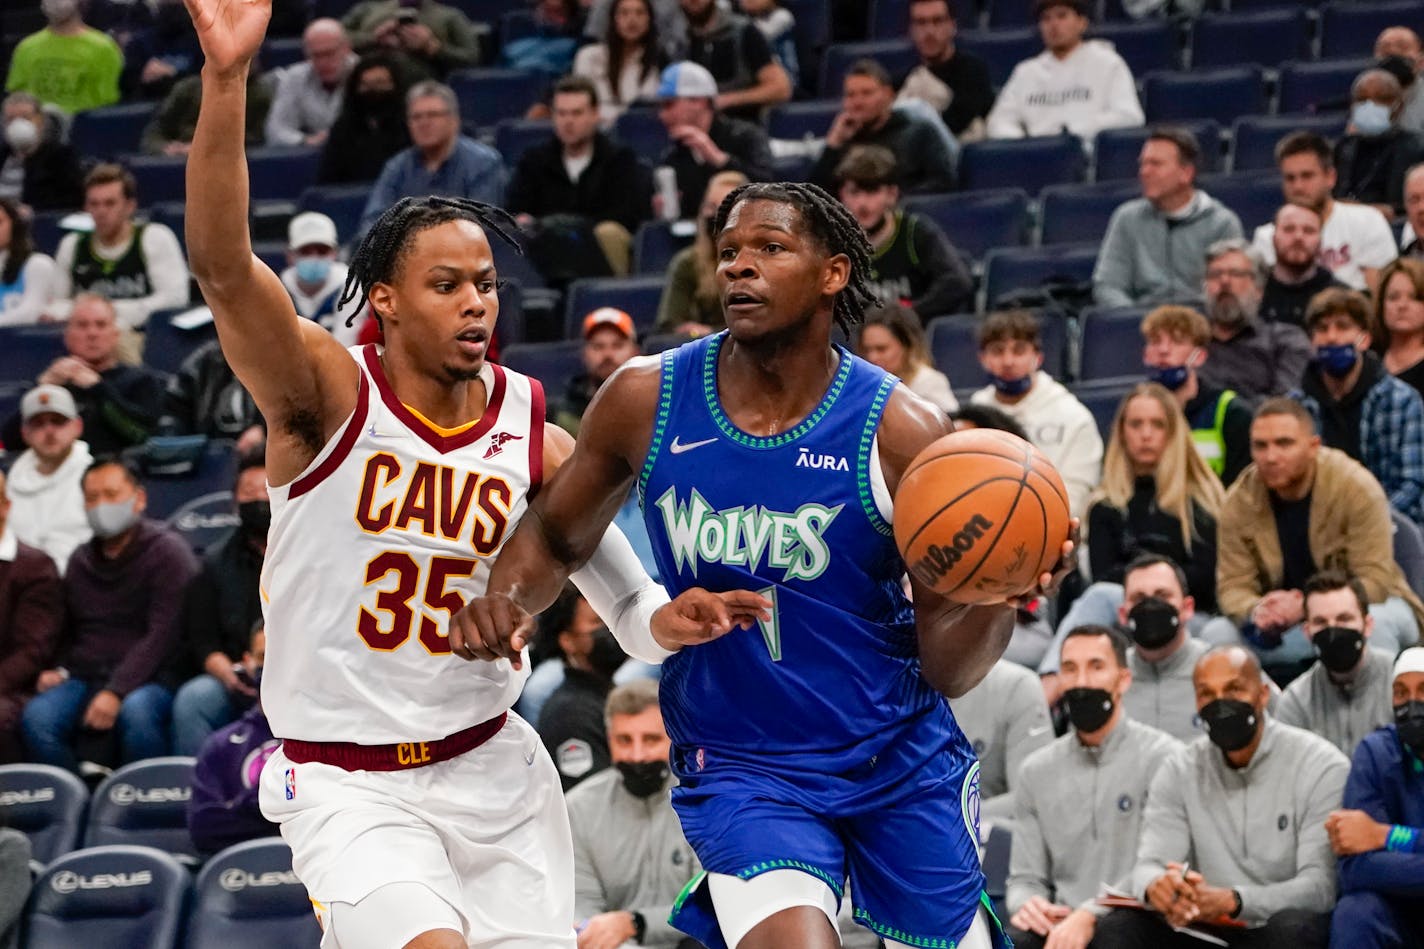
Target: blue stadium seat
{"x": 800, "y": 119}
{"x": 791, "y": 168}
{"x": 196, "y": 502}
{"x": 171, "y": 214}
{"x": 1024, "y": 268}
{"x": 657, "y": 242}
{"x": 1001, "y": 50}
{"x": 489, "y": 96}
{"x": 889, "y": 19}
{"x": 512, "y": 265}
{"x": 1254, "y": 196}
{"x": 813, "y": 32}
{"x": 111, "y": 131}
{"x": 510, "y": 328}
{"x": 642, "y": 131}
{"x": 159, "y": 177}
{"x": 165, "y": 346}
{"x": 1409, "y": 550}
{"x": 954, "y": 347}
{"x": 1322, "y": 86}
{"x": 279, "y": 52}
{"x": 1220, "y": 94}
{"x": 271, "y": 253}
{"x": 247, "y": 895}
{"x": 661, "y": 342}
{"x": 28, "y": 350}
{"x": 637, "y": 296}
{"x": 1112, "y": 344}
{"x": 1266, "y": 37}
{"x": 145, "y": 804}
{"x": 282, "y": 173}
{"x": 118, "y": 897}
{"x": 342, "y": 203}
{"x": 1255, "y": 137}
{"x": 977, "y": 221}
{"x": 1010, "y": 12}
{"x": 995, "y": 861}
{"x": 1076, "y": 213}
{"x": 1103, "y": 398}
{"x": 1145, "y": 46}
{"x": 1028, "y": 163}
{"x": 46, "y": 804}
{"x": 1117, "y": 150}
{"x": 553, "y": 364}
{"x": 513, "y": 137}
{"x": 1350, "y": 28}
{"x": 516, "y": 25}
{"x": 897, "y": 56}
{"x": 47, "y": 228}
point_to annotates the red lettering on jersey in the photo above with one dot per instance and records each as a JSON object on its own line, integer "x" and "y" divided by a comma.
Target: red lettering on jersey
{"x": 420, "y": 500}
{"x": 453, "y": 512}
{"x": 377, "y": 521}
{"x": 495, "y": 495}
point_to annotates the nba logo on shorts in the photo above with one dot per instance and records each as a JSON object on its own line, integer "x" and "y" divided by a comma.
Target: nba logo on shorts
{"x": 701, "y": 759}
{"x": 969, "y": 802}
{"x": 291, "y": 783}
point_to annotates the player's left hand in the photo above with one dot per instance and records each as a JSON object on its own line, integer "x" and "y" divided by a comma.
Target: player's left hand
{"x": 1049, "y": 583}
{"x": 699, "y": 616}
{"x": 607, "y": 930}
{"x": 1074, "y": 932}
{"x": 1353, "y": 832}
{"x": 103, "y": 711}
{"x": 490, "y": 628}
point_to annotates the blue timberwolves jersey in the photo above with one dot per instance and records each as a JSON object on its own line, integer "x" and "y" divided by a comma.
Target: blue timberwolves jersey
{"x": 834, "y": 676}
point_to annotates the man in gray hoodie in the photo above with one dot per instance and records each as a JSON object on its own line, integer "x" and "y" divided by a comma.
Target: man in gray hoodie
{"x": 1233, "y": 838}
{"x": 1155, "y": 247}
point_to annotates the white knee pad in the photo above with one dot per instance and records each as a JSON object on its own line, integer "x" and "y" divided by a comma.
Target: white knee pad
{"x": 386, "y": 918}
{"x": 741, "y": 904}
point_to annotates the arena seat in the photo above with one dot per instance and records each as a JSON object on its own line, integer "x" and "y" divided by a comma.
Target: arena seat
{"x": 247, "y": 895}
{"x": 1001, "y": 50}
{"x": 797, "y": 120}
{"x": 1102, "y": 399}
{"x": 661, "y": 342}
{"x": 1112, "y": 344}
{"x": 342, "y": 203}
{"x": 1010, "y": 12}
{"x": 995, "y": 861}
{"x": 889, "y": 19}
{"x": 657, "y": 243}
{"x": 813, "y": 32}
{"x": 159, "y": 177}
{"x": 489, "y": 96}
{"x": 1021, "y": 268}
{"x": 1075, "y": 213}
{"x": 1145, "y": 46}
{"x": 196, "y": 499}
{"x": 1409, "y": 550}
{"x": 1116, "y": 150}
{"x": 642, "y": 131}
{"x": 282, "y": 173}
{"x": 165, "y": 346}
{"x": 954, "y": 347}
{"x": 513, "y": 137}
{"x": 1255, "y": 196}
{"x": 118, "y": 897}
{"x": 897, "y": 56}
{"x": 145, "y": 804}
{"x": 279, "y": 52}
{"x": 1028, "y": 163}
{"x": 1220, "y": 94}
{"x": 28, "y": 350}
{"x": 1260, "y": 36}
{"x": 553, "y": 364}
{"x": 513, "y": 265}
{"x": 1349, "y": 27}
{"x": 976, "y": 222}
{"x": 1254, "y": 137}
{"x": 1322, "y": 86}
{"x": 46, "y": 804}
{"x": 792, "y": 167}
{"x": 112, "y": 131}
{"x": 637, "y": 296}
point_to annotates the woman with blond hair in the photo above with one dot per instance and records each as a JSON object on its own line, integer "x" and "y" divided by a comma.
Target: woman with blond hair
{"x": 892, "y": 338}
{"x": 1399, "y": 320}
{"x": 691, "y": 303}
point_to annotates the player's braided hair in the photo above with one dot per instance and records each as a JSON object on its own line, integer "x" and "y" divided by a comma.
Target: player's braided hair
{"x": 832, "y": 226}
{"x": 388, "y": 241}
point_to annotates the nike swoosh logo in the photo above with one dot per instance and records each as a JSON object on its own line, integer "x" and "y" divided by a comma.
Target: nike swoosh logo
{"x": 678, "y": 448}
{"x": 1038, "y": 731}
{"x": 375, "y": 434}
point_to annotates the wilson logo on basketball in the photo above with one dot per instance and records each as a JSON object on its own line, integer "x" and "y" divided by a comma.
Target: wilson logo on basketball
{"x": 939, "y": 558}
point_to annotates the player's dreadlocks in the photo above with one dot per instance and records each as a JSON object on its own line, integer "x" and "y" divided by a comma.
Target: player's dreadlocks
{"x": 833, "y": 227}
{"x": 388, "y": 241}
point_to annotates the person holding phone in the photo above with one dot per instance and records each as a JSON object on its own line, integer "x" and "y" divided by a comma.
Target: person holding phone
{"x": 432, "y": 37}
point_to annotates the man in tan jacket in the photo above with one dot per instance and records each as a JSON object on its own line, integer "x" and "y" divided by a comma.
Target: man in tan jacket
{"x": 1299, "y": 508}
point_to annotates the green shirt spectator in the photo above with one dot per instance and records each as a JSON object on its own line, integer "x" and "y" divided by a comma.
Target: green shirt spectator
{"x": 74, "y": 70}
{"x": 433, "y": 35}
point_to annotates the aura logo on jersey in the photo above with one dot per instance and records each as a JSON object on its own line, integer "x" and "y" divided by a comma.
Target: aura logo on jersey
{"x": 434, "y": 500}
{"x": 939, "y": 558}
{"x": 794, "y": 543}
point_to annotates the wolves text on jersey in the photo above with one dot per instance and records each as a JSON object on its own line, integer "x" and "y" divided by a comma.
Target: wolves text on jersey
{"x": 742, "y": 536}
{"x": 434, "y": 500}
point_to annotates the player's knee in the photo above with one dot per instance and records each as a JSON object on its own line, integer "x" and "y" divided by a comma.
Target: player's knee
{"x": 773, "y": 907}
{"x": 410, "y": 915}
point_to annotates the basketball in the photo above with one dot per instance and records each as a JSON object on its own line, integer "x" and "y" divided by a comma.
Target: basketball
{"x": 980, "y": 515}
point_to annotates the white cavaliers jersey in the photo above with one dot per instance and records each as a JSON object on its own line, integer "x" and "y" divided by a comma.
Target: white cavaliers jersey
{"x": 390, "y": 530}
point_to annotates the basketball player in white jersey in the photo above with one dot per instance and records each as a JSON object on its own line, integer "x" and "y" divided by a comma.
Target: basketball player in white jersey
{"x": 421, "y": 813}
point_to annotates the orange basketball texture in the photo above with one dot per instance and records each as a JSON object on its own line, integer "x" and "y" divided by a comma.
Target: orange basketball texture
{"x": 980, "y": 515}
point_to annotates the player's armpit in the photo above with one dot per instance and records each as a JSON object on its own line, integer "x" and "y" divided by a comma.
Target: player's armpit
{"x": 908, "y": 426}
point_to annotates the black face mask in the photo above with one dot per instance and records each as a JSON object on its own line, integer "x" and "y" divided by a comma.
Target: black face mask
{"x": 256, "y": 517}
{"x": 1088, "y": 709}
{"x": 1230, "y": 723}
{"x": 643, "y": 779}
{"x": 1339, "y": 648}
{"x": 1153, "y": 623}
{"x": 607, "y": 656}
{"x": 380, "y": 102}
{"x": 1409, "y": 721}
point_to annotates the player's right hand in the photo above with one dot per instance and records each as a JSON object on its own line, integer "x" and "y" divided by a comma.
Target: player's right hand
{"x": 699, "y": 616}
{"x": 491, "y": 628}
{"x": 229, "y": 31}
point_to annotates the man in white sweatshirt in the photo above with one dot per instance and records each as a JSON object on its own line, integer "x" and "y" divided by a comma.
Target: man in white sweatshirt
{"x": 1011, "y": 352}
{"x": 1077, "y": 86}
{"x": 46, "y": 500}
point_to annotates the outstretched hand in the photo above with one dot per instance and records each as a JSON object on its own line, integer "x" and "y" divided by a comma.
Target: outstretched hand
{"x": 230, "y": 31}
{"x": 699, "y": 616}
{"x": 1048, "y": 583}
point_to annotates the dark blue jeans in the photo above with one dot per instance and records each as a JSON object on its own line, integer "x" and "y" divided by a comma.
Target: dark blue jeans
{"x": 52, "y": 719}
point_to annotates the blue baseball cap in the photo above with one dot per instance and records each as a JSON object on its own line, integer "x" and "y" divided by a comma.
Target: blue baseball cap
{"x": 687, "y": 80}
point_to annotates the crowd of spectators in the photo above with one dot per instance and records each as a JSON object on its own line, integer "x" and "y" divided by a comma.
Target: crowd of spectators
{"x": 1219, "y": 724}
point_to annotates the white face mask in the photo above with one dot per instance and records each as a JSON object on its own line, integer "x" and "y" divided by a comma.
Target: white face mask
{"x": 1371, "y": 118}
{"x": 22, "y": 135}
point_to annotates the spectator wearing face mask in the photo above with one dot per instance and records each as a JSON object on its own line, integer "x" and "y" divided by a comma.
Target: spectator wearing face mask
{"x": 1364, "y": 411}
{"x": 370, "y": 126}
{"x": 1345, "y": 696}
{"x": 220, "y": 607}
{"x": 315, "y": 278}
{"x": 1375, "y": 153}
{"x": 1378, "y": 833}
{"x": 1005, "y": 719}
{"x": 1061, "y": 856}
{"x": 36, "y": 168}
{"x": 1234, "y": 829}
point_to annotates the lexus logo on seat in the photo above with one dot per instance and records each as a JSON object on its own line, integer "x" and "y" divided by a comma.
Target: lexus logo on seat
{"x": 236, "y": 879}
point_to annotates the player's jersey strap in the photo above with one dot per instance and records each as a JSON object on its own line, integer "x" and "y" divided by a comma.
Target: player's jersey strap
{"x": 833, "y": 675}
{"x": 349, "y": 432}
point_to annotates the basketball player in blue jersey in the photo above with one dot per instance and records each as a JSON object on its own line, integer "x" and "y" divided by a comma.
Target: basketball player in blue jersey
{"x": 816, "y": 746}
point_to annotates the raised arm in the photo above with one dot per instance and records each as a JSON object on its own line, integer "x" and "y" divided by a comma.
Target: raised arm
{"x": 302, "y": 380}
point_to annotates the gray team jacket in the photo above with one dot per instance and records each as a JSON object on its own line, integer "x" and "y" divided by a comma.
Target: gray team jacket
{"x": 1005, "y": 718}
{"x": 1078, "y": 813}
{"x": 1162, "y": 694}
{"x": 1342, "y": 715}
{"x": 1259, "y": 830}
